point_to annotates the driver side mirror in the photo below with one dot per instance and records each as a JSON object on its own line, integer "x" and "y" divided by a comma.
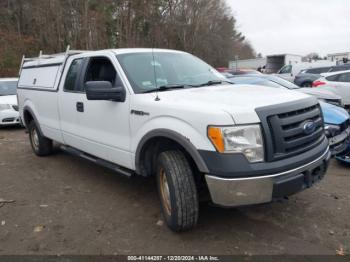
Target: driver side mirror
{"x": 103, "y": 90}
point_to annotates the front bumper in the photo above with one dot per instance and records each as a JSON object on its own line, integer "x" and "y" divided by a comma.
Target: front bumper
{"x": 338, "y": 144}
{"x": 344, "y": 157}
{"x": 231, "y": 192}
{"x": 9, "y": 117}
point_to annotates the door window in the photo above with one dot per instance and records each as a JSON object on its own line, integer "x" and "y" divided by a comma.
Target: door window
{"x": 333, "y": 78}
{"x": 102, "y": 69}
{"x": 345, "y": 77}
{"x": 286, "y": 69}
{"x": 72, "y": 75}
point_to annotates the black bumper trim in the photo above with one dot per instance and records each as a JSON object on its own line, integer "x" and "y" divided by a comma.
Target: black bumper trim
{"x": 237, "y": 166}
{"x": 286, "y": 186}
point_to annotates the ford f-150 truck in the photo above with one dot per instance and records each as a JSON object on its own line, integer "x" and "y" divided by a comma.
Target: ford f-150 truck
{"x": 168, "y": 114}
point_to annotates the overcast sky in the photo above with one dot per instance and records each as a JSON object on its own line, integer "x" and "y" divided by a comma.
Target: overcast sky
{"x": 294, "y": 26}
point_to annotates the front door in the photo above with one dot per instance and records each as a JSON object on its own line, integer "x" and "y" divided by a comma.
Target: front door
{"x": 100, "y": 128}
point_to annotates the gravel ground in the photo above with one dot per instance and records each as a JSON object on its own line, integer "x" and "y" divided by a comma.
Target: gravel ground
{"x": 66, "y": 205}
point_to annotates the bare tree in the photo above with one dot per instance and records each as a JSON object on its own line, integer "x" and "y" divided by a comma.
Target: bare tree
{"x": 205, "y": 28}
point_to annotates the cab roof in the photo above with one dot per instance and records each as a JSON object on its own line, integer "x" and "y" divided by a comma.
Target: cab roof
{"x": 57, "y": 59}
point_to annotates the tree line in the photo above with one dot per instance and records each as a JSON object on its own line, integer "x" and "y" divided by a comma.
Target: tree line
{"x": 205, "y": 28}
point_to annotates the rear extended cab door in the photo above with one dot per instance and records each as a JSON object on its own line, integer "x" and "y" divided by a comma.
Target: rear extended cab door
{"x": 99, "y": 128}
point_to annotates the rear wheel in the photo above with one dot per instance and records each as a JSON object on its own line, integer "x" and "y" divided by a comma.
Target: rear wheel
{"x": 41, "y": 145}
{"x": 177, "y": 191}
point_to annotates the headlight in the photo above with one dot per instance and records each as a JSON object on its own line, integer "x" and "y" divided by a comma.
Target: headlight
{"x": 4, "y": 107}
{"x": 238, "y": 139}
{"x": 331, "y": 130}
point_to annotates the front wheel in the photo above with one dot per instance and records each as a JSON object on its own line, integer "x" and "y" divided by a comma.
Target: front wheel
{"x": 41, "y": 145}
{"x": 177, "y": 191}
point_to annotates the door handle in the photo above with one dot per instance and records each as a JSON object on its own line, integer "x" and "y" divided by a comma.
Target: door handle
{"x": 80, "y": 106}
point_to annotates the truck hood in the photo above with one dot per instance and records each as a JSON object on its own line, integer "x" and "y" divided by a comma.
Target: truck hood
{"x": 10, "y": 100}
{"x": 323, "y": 94}
{"x": 240, "y": 101}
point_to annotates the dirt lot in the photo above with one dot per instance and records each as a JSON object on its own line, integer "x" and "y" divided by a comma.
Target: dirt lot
{"x": 66, "y": 205}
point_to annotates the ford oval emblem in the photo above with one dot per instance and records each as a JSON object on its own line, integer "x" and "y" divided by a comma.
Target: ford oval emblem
{"x": 309, "y": 127}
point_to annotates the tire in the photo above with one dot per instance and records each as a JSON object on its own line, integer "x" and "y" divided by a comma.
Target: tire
{"x": 306, "y": 84}
{"x": 177, "y": 191}
{"x": 41, "y": 145}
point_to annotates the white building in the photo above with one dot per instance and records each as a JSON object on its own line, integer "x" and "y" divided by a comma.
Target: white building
{"x": 338, "y": 57}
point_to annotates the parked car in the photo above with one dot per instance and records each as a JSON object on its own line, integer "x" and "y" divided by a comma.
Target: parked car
{"x": 306, "y": 77}
{"x": 274, "y": 81}
{"x": 9, "y": 114}
{"x": 344, "y": 157}
{"x": 336, "y": 119}
{"x": 289, "y": 71}
{"x": 168, "y": 114}
{"x": 338, "y": 68}
{"x": 338, "y": 83}
{"x": 337, "y": 127}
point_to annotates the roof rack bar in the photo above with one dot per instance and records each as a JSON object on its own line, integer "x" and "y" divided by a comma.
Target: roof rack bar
{"x": 67, "y": 49}
{"x": 20, "y": 68}
{"x": 42, "y": 56}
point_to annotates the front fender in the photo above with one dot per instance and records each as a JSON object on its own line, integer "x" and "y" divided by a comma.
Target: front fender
{"x": 180, "y": 139}
{"x": 175, "y": 129}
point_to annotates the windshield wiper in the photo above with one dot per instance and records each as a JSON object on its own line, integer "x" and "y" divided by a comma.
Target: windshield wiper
{"x": 165, "y": 88}
{"x": 212, "y": 83}
{"x": 171, "y": 87}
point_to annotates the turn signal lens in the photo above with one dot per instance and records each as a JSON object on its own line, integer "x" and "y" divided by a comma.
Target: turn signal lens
{"x": 215, "y": 136}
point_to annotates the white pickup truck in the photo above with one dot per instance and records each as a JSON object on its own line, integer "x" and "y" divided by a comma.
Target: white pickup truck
{"x": 168, "y": 114}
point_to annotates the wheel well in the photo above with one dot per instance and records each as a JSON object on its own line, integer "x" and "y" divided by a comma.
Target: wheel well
{"x": 28, "y": 117}
{"x": 153, "y": 147}
{"x": 149, "y": 155}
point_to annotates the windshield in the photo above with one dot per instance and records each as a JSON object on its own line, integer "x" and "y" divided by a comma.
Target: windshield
{"x": 287, "y": 69}
{"x": 8, "y": 88}
{"x": 147, "y": 71}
